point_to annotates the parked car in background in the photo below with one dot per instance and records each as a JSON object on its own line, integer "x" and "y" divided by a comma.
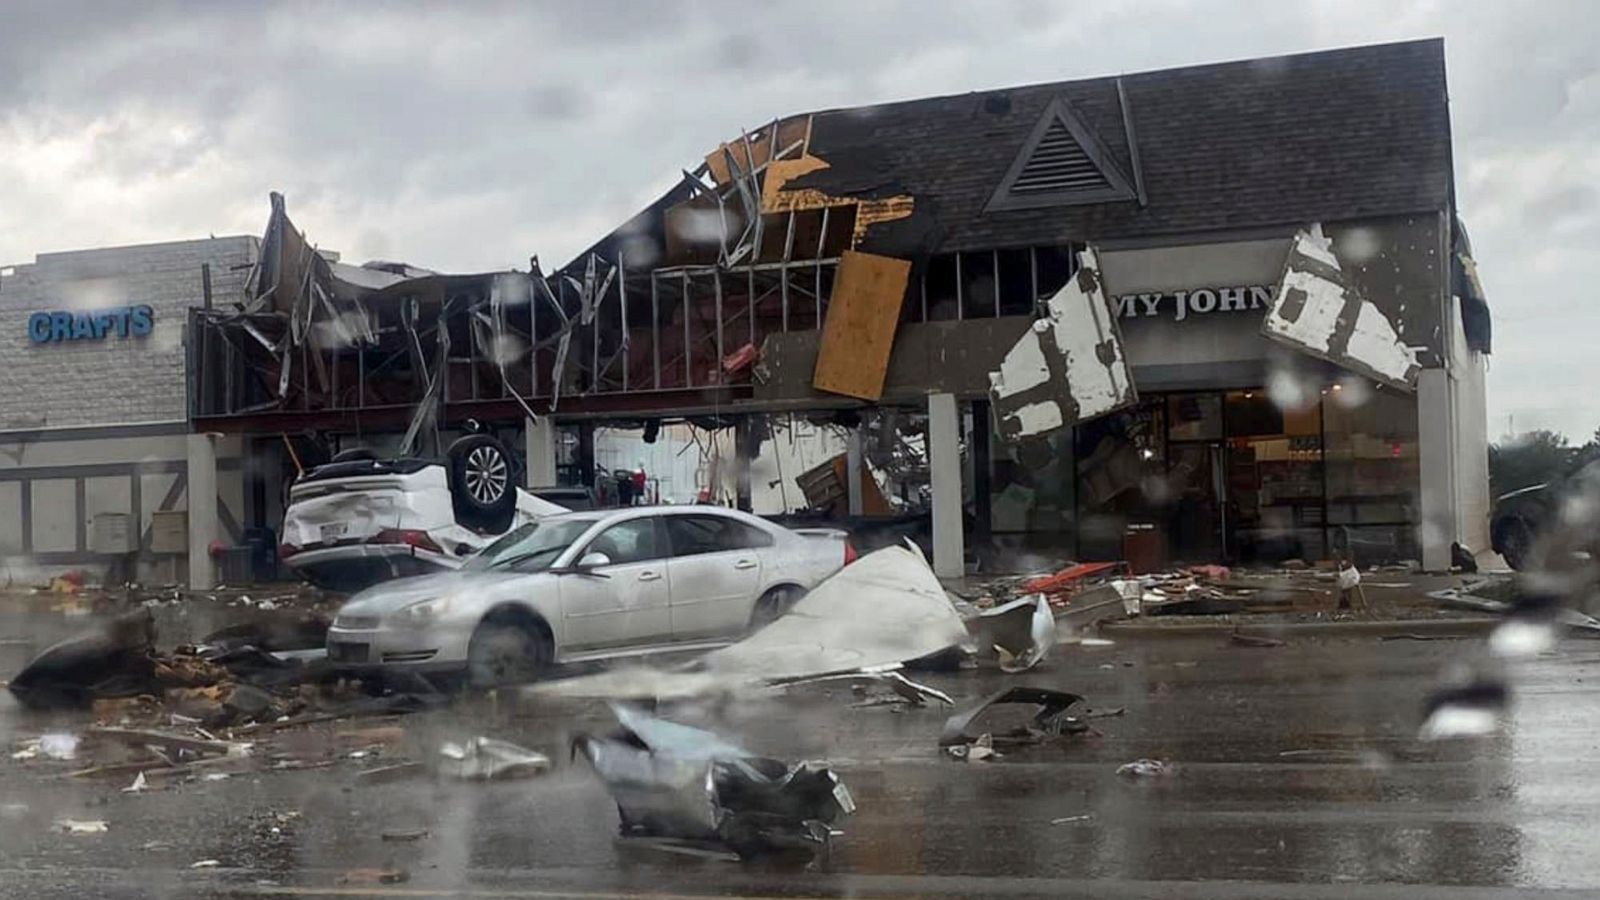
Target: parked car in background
{"x": 361, "y": 520}
{"x": 1522, "y": 516}
{"x": 589, "y": 585}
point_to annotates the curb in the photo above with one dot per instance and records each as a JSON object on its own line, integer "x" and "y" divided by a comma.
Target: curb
{"x": 1457, "y": 627}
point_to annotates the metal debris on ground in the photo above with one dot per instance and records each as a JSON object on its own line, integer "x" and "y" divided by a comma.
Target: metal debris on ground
{"x": 487, "y": 759}
{"x": 1018, "y": 634}
{"x": 138, "y": 786}
{"x": 677, "y": 783}
{"x": 1064, "y": 820}
{"x": 1145, "y": 768}
{"x": 1049, "y": 718}
{"x": 205, "y": 864}
{"x": 901, "y": 689}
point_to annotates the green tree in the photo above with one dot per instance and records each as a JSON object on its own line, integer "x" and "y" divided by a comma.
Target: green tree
{"x": 1534, "y": 457}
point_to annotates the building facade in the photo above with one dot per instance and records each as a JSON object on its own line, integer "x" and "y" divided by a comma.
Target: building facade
{"x": 877, "y": 265}
{"x": 95, "y": 421}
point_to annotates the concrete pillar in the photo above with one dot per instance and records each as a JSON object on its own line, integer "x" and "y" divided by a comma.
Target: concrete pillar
{"x": 944, "y": 468}
{"x": 539, "y": 446}
{"x": 852, "y": 470}
{"x": 203, "y": 528}
{"x": 1435, "y": 446}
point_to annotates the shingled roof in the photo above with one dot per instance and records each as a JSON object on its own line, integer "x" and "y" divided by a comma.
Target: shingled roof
{"x": 1331, "y": 135}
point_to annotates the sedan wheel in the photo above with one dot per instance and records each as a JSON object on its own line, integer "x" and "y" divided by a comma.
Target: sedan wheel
{"x": 504, "y": 653}
{"x": 486, "y": 474}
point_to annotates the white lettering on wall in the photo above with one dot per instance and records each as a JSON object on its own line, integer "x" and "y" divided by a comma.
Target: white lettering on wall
{"x": 1199, "y": 302}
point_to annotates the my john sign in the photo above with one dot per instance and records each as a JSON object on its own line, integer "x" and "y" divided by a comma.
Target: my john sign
{"x": 1180, "y": 305}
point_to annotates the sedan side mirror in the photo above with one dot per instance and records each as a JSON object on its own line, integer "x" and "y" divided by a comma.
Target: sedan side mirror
{"x": 594, "y": 559}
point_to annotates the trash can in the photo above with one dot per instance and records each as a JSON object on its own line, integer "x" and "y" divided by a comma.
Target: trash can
{"x": 1144, "y": 546}
{"x": 233, "y": 566}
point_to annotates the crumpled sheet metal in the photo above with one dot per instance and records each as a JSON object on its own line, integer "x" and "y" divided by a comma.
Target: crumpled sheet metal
{"x": 488, "y": 759}
{"x": 881, "y": 610}
{"x": 1319, "y": 310}
{"x": 1069, "y": 367}
{"x": 1050, "y": 720}
{"x": 1019, "y": 633}
{"x": 673, "y": 781}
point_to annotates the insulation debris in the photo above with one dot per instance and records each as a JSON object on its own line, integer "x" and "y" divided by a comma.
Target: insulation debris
{"x": 882, "y": 610}
{"x": 1069, "y": 367}
{"x": 1318, "y": 309}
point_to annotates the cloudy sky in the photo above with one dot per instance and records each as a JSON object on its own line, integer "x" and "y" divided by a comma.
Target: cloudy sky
{"x": 467, "y": 136}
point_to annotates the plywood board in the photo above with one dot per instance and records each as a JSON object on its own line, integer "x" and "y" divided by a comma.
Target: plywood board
{"x": 862, "y": 317}
{"x": 790, "y": 132}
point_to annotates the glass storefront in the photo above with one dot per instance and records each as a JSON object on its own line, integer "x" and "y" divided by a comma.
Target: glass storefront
{"x": 1229, "y": 475}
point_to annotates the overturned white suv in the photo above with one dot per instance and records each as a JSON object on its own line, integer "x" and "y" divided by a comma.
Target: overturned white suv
{"x": 360, "y": 520}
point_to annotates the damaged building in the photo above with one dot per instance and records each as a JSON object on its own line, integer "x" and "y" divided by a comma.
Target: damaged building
{"x": 1223, "y": 312}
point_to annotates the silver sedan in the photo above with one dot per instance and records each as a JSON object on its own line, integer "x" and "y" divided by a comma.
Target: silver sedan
{"x": 588, "y": 585}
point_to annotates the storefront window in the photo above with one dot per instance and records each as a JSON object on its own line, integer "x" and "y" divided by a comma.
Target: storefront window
{"x": 1274, "y": 479}
{"x": 1373, "y": 471}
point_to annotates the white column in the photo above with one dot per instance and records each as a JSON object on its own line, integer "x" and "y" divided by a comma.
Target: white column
{"x": 852, "y": 470}
{"x": 944, "y": 465}
{"x": 539, "y": 445}
{"x": 203, "y": 527}
{"x": 1435, "y": 437}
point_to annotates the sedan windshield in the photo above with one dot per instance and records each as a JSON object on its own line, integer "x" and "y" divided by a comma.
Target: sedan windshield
{"x": 532, "y": 547}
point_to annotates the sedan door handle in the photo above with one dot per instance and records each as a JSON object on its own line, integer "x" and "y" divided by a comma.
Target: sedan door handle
{"x": 745, "y": 564}
{"x": 649, "y": 576}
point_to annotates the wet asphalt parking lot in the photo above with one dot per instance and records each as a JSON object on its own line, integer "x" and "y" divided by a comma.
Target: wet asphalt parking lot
{"x": 1296, "y": 774}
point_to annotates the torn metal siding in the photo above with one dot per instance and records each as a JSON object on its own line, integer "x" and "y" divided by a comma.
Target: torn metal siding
{"x": 1319, "y": 309}
{"x": 1069, "y": 367}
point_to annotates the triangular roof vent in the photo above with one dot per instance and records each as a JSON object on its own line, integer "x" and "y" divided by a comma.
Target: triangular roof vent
{"x": 1061, "y": 164}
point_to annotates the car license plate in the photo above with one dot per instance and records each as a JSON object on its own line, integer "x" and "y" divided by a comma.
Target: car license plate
{"x": 333, "y": 531}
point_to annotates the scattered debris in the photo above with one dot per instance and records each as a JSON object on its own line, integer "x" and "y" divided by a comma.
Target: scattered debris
{"x": 392, "y": 772}
{"x": 1145, "y": 768}
{"x": 903, "y": 689}
{"x": 387, "y": 875}
{"x": 485, "y": 758}
{"x": 1253, "y": 640}
{"x": 81, "y": 826}
{"x": 980, "y": 750}
{"x": 1068, "y": 819}
{"x": 55, "y": 745}
{"x": 110, "y": 660}
{"x": 1019, "y": 633}
{"x": 404, "y": 835}
{"x": 205, "y": 864}
{"x": 1049, "y": 720}
{"x": 693, "y": 788}
{"x": 138, "y": 786}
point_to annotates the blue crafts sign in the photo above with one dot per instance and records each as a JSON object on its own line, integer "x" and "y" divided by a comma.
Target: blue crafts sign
{"x": 90, "y": 325}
